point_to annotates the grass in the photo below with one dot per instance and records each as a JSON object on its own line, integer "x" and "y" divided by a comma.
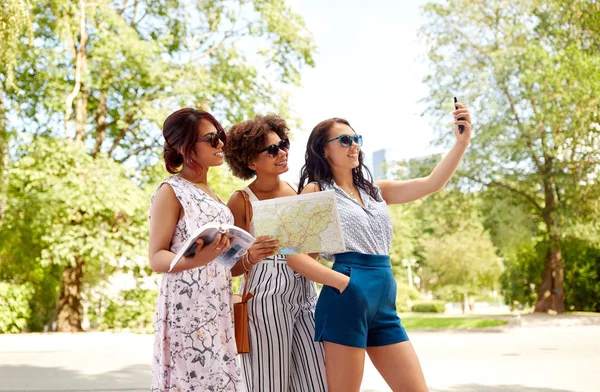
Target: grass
{"x": 428, "y": 322}
{"x": 582, "y": 313}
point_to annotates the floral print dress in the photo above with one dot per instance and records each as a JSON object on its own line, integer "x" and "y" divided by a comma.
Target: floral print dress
{"x": 194, "y": 340}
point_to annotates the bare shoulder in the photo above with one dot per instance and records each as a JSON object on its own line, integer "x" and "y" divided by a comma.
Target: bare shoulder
{"x": 165, "y": 209}
{"x": 165, "y": 198}
{"x": 235, "y": 198}
{"x": 311, "y": 188}
{"x": 236, "y": 202}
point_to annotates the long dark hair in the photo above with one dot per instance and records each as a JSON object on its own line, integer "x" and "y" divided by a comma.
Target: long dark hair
{"x": 180, "y": 131}
{"x": 316, "y": 168}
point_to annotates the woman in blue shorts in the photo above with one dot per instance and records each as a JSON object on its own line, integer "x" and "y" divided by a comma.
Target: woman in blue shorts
{"x": 356, "y": 311}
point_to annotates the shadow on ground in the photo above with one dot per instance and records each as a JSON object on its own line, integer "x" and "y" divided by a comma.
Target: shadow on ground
{"x": 21, "y": 378}
{"x": 496, "y": 388}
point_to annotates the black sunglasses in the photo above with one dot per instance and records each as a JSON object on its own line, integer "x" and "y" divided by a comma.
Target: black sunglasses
{"x": 273, "y": 149}
{"x": 346, "y": 140}
{"x": 214, "y": 139}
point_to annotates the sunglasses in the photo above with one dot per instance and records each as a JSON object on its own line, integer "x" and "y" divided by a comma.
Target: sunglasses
{"x": 273, "y": 149}
{"x": 214, "y": 139}
{"x": 346, "y": 140}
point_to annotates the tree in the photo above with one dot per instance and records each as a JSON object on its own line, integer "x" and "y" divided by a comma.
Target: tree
{"x": 455, "y": 252}
{"x": 530, "y": 72}
{"x": 64, "y": 206}
{"x": 461, "y": 263}
{"x": 105, "y": 74}
{"x": 124, "y": 66}
{"x": 405, "y": 232}
{"x": 14, "y": 25}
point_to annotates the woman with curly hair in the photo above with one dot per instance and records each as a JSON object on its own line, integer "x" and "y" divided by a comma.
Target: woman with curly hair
{"x": 283, "y": 355}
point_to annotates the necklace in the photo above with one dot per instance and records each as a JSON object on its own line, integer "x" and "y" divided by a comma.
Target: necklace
{"x": 350, "y": 192}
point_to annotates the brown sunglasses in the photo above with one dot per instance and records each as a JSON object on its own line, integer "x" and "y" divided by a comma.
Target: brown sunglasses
{"x": 214, "y": 138}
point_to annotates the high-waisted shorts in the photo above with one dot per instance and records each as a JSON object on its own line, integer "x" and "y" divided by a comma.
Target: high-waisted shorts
{"x": 364, "y": 314}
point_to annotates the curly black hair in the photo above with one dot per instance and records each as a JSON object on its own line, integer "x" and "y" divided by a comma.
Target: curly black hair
{"x": 246, "y": 139}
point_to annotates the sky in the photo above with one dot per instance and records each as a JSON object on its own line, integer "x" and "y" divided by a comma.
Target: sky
{"x": 369, "y": 70}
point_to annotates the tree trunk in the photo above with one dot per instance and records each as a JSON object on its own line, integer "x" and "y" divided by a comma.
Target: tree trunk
{"x": 80, "y": 55}
{"x": 101, "y": 123}
{"x": 4, "y": 159}
{"x": 81, "y": 114}
{"x": 70, "y": 311}
{"x": 551, "y": 296}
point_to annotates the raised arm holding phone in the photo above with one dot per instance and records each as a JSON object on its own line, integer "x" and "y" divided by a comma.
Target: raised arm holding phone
{"x": 356, "y": 311}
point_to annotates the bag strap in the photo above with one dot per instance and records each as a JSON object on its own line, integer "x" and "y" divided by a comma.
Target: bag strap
{"x": 248, "y": 208}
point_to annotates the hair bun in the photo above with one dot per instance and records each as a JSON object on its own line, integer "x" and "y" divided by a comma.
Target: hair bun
{"x": 173, "y": 158}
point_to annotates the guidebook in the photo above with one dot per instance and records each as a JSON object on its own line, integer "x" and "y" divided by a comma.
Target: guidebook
{"x": 241, "y": 241}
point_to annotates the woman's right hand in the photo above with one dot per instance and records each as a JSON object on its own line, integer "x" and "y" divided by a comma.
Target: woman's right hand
{"x": 207, "y": 253}
{"x": 264, "y": 246}
{"x": 342, "y": 282}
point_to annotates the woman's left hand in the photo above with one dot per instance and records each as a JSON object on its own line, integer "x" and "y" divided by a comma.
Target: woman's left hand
{"x": 465, "y": 120}
{"x": 264, "y": 246}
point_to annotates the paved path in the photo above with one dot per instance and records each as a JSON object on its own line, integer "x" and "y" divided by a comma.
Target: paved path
{"x": 554, "y": 359}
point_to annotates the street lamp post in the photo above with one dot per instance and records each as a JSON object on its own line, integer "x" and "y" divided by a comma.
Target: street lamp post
{"x": 409, "y": 263}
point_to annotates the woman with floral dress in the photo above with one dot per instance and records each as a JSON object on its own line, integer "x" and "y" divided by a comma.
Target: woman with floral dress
{"x": 194, "y": 343}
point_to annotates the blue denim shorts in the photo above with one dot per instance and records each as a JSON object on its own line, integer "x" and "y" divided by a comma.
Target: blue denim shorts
{"x": 364, "y": 314}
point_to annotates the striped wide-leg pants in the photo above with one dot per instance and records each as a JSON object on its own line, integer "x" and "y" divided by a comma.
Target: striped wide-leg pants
{"x": 283, "y": 354}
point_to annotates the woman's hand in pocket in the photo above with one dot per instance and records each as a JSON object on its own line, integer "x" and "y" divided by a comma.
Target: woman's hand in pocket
{"x": 342, "y": 282}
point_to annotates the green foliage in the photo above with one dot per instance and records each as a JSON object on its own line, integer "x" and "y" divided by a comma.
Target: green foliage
{"x": 15, "y": 23}
{"x": 429, "y": 307}
{"x": 456, "y": 254}
{"x": 223, "y": 183}
{"x": 520, "y": 278}
{"x": 403, "y": 245}
{"x": 46, "y": 283}
{"x": 14, "y": 307}
{"x": 450, "y": 323}
{"x": 530, "y": 73}
{"x": 444, "y": 233}
{"x": 144, "y": 60}
{"x": 109, "y": 84}
{"x": 465, "y": 260}
{"x": 82, "y": 213}
{"x": 220, "y": 179}
{"x": 509, "y": 222}
{"x": 62, "y": 205}
{"x": 405, "y": 296}
{"x": 582, "y": 275}
{"x": 132, "y": 309}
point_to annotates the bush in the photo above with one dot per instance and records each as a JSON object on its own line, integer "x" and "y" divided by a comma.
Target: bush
{"x": 582, "y": 275}
{"x": 429, "y": 307}
{"x": 14, "y": 307}
{"x": 404, "y": 297}
{"x": 132, "y": 309}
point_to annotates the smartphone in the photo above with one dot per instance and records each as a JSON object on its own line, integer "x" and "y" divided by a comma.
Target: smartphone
{"x": 461, "y": 128}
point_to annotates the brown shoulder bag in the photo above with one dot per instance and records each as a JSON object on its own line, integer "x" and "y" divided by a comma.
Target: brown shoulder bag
{"x": 240, "y": 307}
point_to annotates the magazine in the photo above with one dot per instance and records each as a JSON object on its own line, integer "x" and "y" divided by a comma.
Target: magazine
{"x": 241, "y": 241}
